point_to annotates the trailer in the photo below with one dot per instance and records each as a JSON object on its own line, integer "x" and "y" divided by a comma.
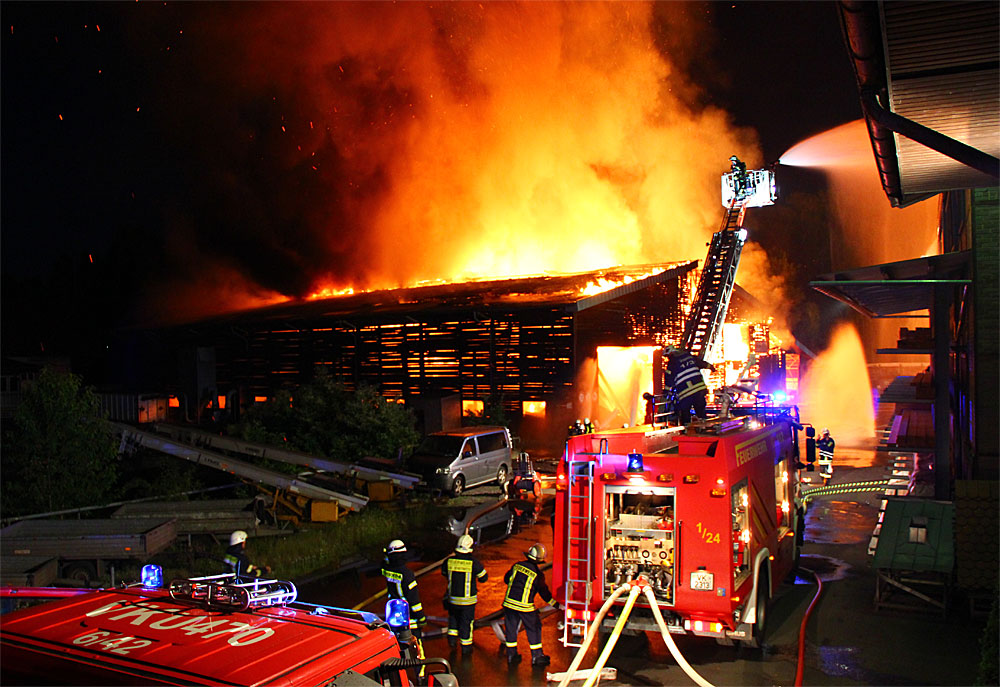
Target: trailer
{"x": 86, "y": 549}
{"x": 712, "y": 526}
{"x": 215, "y": 517}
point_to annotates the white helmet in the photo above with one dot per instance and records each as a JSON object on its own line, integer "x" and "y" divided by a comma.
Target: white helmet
{"x": 537, "y": 553}
{"x": 396, "y": 546}
{"x": 825, "y": 432}
{"x": 464, "y": 544}
{"x": 237, "y": 537}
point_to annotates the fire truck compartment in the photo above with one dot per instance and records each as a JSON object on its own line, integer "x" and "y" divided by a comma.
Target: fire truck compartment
{"x": 639, "y": 538}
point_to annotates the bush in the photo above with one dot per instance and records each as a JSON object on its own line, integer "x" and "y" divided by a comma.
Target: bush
{"x": 60, "y": 452}
{"x": 323, "y": 418}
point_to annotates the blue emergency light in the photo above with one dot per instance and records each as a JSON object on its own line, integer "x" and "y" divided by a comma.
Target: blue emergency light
{"x": 397, "y": 614}
{"x": 779, "y": 396}
{"x": 152, "y": 576}
{"x": 634, "y": 463}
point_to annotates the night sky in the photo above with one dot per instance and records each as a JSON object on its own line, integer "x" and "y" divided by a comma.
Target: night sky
{"x": 149, "y": 150}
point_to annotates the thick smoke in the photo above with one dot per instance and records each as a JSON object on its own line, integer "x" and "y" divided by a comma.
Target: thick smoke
{"x": 373, "y": 145}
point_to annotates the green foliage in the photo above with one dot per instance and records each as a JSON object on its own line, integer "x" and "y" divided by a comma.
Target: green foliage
{"x": 60, "y": 452}
{"x": 308, "y": 552}
{"x": 324, "y": 418}
{"x": 149, "y": 473}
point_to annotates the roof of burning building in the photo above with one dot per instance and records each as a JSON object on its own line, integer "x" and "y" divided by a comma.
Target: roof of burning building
{"x": 572, "y": 292}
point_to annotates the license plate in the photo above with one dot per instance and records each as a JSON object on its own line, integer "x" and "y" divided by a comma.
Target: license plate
{"x": 702, "y": 581}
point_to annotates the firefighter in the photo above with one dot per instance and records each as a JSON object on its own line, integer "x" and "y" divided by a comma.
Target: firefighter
{"x": 588, "y": 426}
{"x": 524, "y": 580}
{"x": 462, "y": 571}
{"x": 650, "y": 408}
{"x": 236, "y": 559}
{"x": 685, "y": 380}
{"x": 739, "y": 170}
{"x": 524, "y": 494}
{"x": 824, "y": 446}
{"x": 401, "y": 583}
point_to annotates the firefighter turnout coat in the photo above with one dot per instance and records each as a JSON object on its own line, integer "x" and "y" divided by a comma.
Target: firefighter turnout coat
{"x": 401, "y": 583}
{"x": 684, "y": 375}
{"x": 463, "y": 571}
{"x": 524, "y": 580}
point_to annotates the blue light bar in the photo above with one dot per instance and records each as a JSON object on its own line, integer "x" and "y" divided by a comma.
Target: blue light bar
{"x": 397, "y": 614}
{"x": 152, "y": 576}
{"x": 634, "y": 463}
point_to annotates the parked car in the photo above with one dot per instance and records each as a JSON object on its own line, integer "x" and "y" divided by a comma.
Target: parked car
{"x": 456, "y": 459}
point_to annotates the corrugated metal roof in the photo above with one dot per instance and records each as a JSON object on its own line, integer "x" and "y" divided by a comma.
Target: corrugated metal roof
{"x": 943, "y": 71}
{"x": 895, "y": 287}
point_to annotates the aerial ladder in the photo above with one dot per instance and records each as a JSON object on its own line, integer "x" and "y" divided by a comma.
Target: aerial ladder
{"x": 741, "y": 189}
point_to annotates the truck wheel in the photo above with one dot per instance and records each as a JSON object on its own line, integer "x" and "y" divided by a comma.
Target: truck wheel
{"x": 458, "y": 486}
{"x": 763, "y": 596}
{"x": 83, "y": 573}
{"x": 502, "y": 475}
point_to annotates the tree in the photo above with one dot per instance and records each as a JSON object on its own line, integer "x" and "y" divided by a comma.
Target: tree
{"x": 324, "y": 418}
{"x": 60, "y": 452}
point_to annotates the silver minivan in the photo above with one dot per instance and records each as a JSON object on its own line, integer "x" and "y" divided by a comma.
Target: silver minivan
{"x": 456, "y": 459}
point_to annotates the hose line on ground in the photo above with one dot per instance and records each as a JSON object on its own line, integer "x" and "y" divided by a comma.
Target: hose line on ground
{"x": 591, "y": 633}
{"x": 801, "y": 663}
{"x": 669, "y": 641}
{"x": 613, "y": 639}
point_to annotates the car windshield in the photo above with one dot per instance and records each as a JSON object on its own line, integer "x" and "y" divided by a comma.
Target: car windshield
{"x": 440, "y": 445}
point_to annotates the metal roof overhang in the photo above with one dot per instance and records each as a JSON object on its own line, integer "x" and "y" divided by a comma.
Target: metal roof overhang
{"x": 895, "y": 287}
{"x": 928, "y": 74}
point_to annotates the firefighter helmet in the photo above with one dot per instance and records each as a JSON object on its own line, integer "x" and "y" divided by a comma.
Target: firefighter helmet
{"x": 396, "y": 546}
{"x": 464, "y": 544}
{"x": 825, "y": 432}
{"x": 237, "y": 537}
{"x": 537, "y": 553}
{"x": 670, "y": 350}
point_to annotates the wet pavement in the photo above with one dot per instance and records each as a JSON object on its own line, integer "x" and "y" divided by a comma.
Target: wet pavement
{"x": 847, "y": 642}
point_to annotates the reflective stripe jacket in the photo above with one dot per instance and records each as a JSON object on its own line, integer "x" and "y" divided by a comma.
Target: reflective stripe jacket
{"x": 401, "y": 583}
{"x": 825, "y": 448}
{"x": 684, "y": 374}
{"x": 236, "y": 561}
{"x": 462, "y": 572}
{"x": 524, "y": 580}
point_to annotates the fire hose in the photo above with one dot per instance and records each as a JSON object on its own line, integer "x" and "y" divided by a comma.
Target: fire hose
{"x": 800, "y": 665}
{"x": 635, "y": 587}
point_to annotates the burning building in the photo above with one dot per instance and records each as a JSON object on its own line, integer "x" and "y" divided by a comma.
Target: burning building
{"x": 521, "y": 341}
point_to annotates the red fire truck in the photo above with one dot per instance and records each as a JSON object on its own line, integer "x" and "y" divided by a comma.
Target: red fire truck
{"x": 709, "y": 515}
{"x": 213, "y": 630}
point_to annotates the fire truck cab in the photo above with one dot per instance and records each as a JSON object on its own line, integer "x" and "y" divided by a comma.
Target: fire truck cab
{"x": 214, "y": 630}
{"x": 713, "y": 524}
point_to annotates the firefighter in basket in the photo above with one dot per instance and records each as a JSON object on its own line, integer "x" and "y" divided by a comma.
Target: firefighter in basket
{"x": 683, "y": 376}
{"x": 524, "y": 580}
{"x": 236, "y": 559}
{"x": 824, "y": 446}
{"x": 739, "y": 171}
{"x": 462, "y": 571}
{"x": 401, "y": 583}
